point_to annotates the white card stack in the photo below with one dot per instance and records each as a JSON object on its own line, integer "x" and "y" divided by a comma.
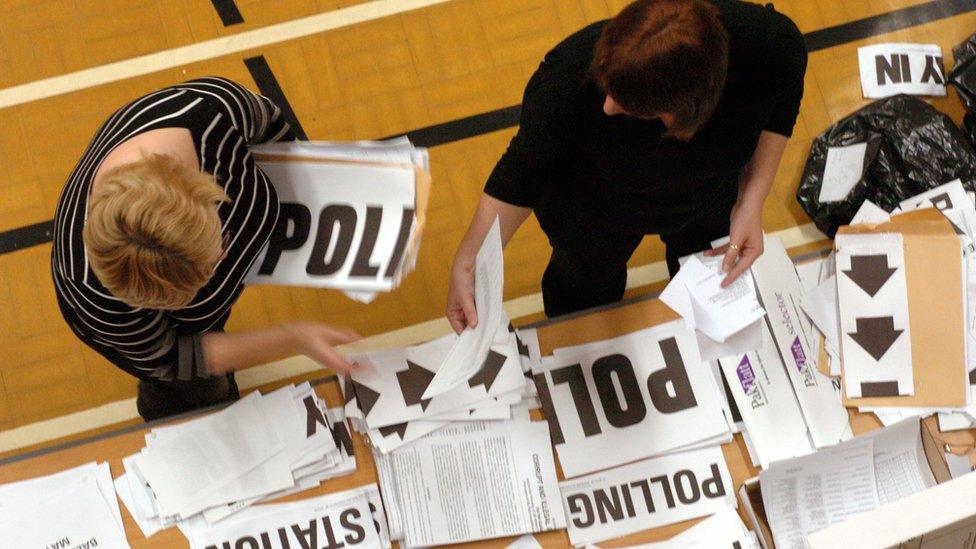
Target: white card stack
{"x": 351, "y": 214}
{"x": 395, "y": 396}
{"x": 72, "y": 508}
{"x": 261, "y": 447}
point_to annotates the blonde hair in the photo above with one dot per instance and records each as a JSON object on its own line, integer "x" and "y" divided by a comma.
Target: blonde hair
{"x": 152, "y": 233}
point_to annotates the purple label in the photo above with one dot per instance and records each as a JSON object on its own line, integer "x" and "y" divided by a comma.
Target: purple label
{"x": 798, "y": 355}
{"x": 747, "y": 376}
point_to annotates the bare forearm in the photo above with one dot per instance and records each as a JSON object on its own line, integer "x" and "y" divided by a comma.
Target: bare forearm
{"x": 510, "y": 218}
{"x": 757, "y": 178}
{"x": 231, "y": 351}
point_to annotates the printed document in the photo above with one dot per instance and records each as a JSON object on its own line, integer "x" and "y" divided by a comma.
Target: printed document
{"x": 809, "y": 493}
{"x": 481, "y": 482}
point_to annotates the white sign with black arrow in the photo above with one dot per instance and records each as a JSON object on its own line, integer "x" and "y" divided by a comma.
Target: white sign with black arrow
{"x": 872, "y": 294}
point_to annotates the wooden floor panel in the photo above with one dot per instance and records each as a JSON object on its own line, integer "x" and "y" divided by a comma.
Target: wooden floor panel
{"x": 430, "y": 66}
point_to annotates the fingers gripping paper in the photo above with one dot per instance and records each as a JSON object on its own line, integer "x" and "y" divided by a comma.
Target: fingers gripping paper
{"x": 469, "y": 351}
{"x": 872, "y": 294}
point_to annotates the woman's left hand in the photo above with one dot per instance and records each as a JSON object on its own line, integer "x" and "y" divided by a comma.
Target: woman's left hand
{"x": 745, "y": 242}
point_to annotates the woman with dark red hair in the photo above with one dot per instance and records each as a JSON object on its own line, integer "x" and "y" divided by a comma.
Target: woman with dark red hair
{"x": 669, "y": 119}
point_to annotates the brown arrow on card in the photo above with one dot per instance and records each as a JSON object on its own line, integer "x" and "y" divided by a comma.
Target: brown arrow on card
{"x": 413, "y": 382}
{"x": 489, "y": 371}
{"x": 870, "y": 272}
{"x": 876, "y": 335}
{"x": 365, "y": 397}
{"x": 400, "y": 429}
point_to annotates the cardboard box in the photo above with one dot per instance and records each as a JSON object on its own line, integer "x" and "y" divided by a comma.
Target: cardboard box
{"x": 873, "y": 529}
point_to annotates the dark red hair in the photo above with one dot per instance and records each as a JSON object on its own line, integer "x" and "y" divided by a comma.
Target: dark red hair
{"x": 665, "y": 57}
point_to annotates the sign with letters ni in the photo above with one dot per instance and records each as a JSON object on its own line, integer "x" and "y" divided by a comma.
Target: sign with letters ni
{"x": 891, "y": 69}
{"x": 649, "y": 386}
{"x": 646, "y": 494}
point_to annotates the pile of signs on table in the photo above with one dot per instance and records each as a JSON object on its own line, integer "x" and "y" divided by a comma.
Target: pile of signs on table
{"x": 895, "y": 306}
{"x": 457, "y": 455}
{"x": 351, "y": 214}
{"x": 198, "y": 473}
{"x": 637, "y": 422}
{"x": 72, "y": 508}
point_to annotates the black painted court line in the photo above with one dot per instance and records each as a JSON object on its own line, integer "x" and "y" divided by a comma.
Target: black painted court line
{"x": 465, "y": 128}
{"x": 228, "y": 12}
{"x": 25, "y": 237}
{"x": 886, "y": 22}
{"x": 269, "y": 87}
{"x": 480, "y": 124}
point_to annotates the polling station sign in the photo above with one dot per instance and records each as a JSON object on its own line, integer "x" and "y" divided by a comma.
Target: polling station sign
{"x": 891, "y": 69}
{"x": 646, "y": 494}
{"x": 345, "y": 225}
{"x": 650, "y": 385}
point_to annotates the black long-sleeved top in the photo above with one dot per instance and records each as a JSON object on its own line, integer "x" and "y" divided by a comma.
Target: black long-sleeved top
{"x": 577, "y": 166}
{"x": 223, "y": 118}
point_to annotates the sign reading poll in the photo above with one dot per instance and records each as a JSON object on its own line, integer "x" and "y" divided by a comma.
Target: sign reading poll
{"x": 351, "y": 214}
{"x": 891, "y": 69}
{"x": 649, "y": 385}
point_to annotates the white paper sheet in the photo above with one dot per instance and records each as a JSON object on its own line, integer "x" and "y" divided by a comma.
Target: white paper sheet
{"x": 872, "y": 294}
{"x": 900, "y": 465}
{"x": 890, "y": 69}
{"x": 646, "y": 494}
{"x": 527, "y": 541}
{"x": 780, "y": 291}
{"x": 478, "y": 484}
{"x": 648, "y": 385}
{"x": 844, "y": 168}
{"x": 469, "y": 351}
{"x": 820, "y": 305}
{"x": 21, "y": 494}
{"x": 148, "y": 526}
{"x": 74, "y": 516}
{"x": 950, "y": 199}
{"x": 809, "y": 493}
{"x": 769, "y": 409}
{"x": 696, "y": 294}
{"x": 870, "y": 213}
{"x": 390, "y": 384}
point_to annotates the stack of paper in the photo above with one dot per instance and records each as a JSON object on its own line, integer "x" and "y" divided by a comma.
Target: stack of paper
{"x": 806, "y": 494}
{"x": 472, "y": 481}
{"x": 895, "y": 309}
{"x": 351, "y": 214}
{"x": 261, "y": 447}
{"x": 73, "y": 508}
{"x": 396, "y": 396}
{"x": 353, "y": 519}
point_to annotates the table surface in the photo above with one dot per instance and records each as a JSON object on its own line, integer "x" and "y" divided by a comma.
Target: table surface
{"x": 594, "y": 325}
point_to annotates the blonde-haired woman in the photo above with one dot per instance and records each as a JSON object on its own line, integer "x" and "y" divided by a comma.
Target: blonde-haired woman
{"x": 154, "y": 232}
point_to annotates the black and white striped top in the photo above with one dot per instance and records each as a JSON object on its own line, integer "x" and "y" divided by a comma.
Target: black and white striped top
{"x": 224, "y": 118}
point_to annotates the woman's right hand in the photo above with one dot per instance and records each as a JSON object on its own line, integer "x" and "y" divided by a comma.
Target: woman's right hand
{"x": 317, "y": 340}
{"x": 461, "y": 310}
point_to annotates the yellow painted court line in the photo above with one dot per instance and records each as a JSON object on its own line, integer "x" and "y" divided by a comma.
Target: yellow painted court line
{"x": 124, "y": 410}
{"x": 209, "y": 49}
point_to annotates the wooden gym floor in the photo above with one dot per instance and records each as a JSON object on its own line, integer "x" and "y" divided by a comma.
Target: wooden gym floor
{"x": 403, "y": 71}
